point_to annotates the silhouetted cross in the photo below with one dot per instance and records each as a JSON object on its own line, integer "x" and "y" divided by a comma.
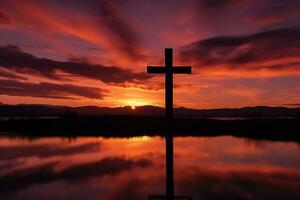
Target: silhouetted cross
{"x": 169, "y": 70}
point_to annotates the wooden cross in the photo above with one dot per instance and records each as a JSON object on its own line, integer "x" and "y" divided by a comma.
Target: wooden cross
{"x": 169, "y": 70}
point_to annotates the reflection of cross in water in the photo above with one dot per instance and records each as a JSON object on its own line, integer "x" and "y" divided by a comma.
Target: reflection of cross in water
{"x": 169, "y": 70}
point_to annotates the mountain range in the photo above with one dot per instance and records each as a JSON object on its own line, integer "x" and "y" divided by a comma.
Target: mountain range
{"x": 54, "y": 111}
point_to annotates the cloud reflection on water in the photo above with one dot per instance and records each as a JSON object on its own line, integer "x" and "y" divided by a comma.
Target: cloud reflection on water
{"x": 98, "y": 168}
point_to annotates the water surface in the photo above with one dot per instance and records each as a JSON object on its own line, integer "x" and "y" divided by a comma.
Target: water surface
{"x": 133, "y": 168}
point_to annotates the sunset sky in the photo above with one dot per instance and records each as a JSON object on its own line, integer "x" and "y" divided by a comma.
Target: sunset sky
{"x": 95, "y": 52}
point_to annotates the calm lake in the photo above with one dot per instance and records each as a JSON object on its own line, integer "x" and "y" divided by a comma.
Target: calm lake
{"x": 133, "y": 168}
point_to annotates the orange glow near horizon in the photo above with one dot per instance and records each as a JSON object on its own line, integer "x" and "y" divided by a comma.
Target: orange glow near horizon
{"x": 135, "y": 103}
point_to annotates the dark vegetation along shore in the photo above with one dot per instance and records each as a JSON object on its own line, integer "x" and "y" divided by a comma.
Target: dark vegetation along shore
{"x": 127, "y": 126}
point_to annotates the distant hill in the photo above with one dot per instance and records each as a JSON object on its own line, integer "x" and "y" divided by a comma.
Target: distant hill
{"x": 52, "y": 111}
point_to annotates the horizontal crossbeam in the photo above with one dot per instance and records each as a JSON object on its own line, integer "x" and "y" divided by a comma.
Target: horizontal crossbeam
{"x": 175, "y": 70}
{"x": 182, "y": 70}
{"x": 156, "y": 70}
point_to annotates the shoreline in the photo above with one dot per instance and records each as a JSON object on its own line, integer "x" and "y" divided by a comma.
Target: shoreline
{"x": 129, "y": 126}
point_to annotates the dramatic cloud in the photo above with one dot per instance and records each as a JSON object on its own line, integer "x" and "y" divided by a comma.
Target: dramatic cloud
{"x": 113, "y": 40}
{"x": 49, "y": 90}
{"x": 97, "y": 21}
{"x": 7, "y": 74}
{"x": 270, "y": 50}
{"x": 12, "y": 58}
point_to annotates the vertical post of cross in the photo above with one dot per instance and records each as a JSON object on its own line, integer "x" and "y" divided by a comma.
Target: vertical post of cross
{"x": 169, "y": 116}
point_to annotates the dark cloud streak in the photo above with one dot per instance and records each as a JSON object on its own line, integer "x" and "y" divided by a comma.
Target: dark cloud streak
{"x": 49, "y": 90}
{"x": 214, "y": 4}
{"x": 12, "y": 58}
{"x": 10, "y": 75}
